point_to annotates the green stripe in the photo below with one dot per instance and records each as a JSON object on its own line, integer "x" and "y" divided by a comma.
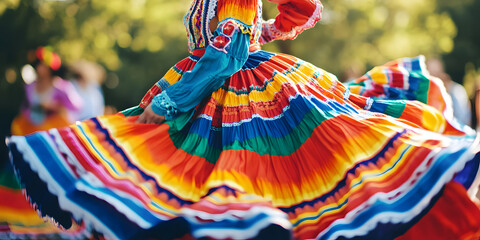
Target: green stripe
{"x": 8, "y": 178}
{"x": 354, "y": 84}
{"x": 423, "y": 87}
{"x": 395, "y": 108}
{"x": 133, "y": 111}
{"x": 193, "y": 144}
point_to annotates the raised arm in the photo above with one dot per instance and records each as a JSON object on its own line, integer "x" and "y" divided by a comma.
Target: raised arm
{"x": 294, "y": 17}
{"x": 225, "y": 55}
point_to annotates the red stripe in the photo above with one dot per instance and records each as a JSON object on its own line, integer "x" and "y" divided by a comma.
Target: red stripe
{"x": 14, "y": 199}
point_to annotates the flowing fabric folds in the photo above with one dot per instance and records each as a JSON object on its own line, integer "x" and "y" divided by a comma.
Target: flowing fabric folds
{"x": 18, "y": 220}
{"x": 282, "y": 144}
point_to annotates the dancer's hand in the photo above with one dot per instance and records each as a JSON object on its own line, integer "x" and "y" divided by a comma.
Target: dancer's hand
{"x": 149, "y": 116}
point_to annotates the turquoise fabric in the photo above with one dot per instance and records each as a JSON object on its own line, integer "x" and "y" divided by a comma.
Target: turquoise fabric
{"x": 208, "y": 75}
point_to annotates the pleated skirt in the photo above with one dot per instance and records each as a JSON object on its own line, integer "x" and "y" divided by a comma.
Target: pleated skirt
{"x": 282, "y": 150}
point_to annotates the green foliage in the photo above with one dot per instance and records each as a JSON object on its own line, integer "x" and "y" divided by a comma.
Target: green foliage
{"x": 8, "y": 4}
{"x": 465, "y": 57}
{"x": 372, "y": 32}
{"x": 136, "y": 40}
{"x": 96, "y": 29}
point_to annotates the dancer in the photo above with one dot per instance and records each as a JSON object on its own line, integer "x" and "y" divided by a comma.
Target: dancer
{"x": 460, "y": 102}
{"x": 88, "y": 77}
{"x": 50, "y": 100}
{"x": 239, "y": 143}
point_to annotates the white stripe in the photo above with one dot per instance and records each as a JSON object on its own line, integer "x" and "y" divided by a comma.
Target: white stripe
{"x": 474, "y": 189}
{"x": 256, "y": 115}
{"x": 394, "y": 217}
{"x": 239, "y": 123}
{"x": 94, "y": 181}
{"x": 113, "y": 201}
{"x": 63, "y": 148}
{"x": 369, "y": 104}
{"x": 274, "y": 216}
{"x": 406, "y": 82}
{"x": 237, "y": 234}
{"x": 53, "y": 187}
{"x": 234, "y": 214}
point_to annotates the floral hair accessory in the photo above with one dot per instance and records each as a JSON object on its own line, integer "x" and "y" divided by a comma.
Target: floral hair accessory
{"x": 51, "y": 59}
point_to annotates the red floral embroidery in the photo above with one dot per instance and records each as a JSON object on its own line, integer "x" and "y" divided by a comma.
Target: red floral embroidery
{"x": 221, "y": 41}
{"x": 228, "y": 28}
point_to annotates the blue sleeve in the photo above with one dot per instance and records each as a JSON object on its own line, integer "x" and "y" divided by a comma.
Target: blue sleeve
{"x": 225, "y": 56}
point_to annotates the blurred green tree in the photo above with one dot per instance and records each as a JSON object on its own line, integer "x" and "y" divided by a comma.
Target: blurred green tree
{"x": 463, "y": 62}
{"x": 129, "y": 38}
{"x": 366, "y": 33}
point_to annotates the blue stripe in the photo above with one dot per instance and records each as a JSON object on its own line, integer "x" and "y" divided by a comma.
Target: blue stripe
{"x": 467, "y": 176}
{"x": 130, "y": 204}
{"x": 163, "y": 84}
{"x": 412, "y": 198}
{"x": 278, "y": 128}
{"x": 332, "y": 193}
{"x": 89, "y": 204}
{"x": 256, "y": 58}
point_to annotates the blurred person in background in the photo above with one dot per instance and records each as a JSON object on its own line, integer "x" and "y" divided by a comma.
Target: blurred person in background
{"x": 461, "y": 105}
{"x": 353, "y": 72}
{"x": 50, "y": 101}
{"x": 476, "y": 104}
{"x": 87, "y": 79}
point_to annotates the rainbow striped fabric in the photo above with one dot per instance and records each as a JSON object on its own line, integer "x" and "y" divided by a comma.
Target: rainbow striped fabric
{"x": 404, "y": 79}
{"x": 18, "y": 220}
{"x": 282, "y": 149}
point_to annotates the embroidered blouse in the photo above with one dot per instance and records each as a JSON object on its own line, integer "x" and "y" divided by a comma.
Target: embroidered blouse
{"x": 240, "y": 26}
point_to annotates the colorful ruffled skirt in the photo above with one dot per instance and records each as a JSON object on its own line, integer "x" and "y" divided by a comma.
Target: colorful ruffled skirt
{"x": 18, "y": 220}
{"x": 282, "y": 150}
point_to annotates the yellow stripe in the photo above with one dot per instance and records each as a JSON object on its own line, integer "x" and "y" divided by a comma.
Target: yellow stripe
{"x": 378, "y": 75}
{"x": 354, "y": 187}
{"x": 302, "y": 75}
{"x": 432, "y": 119}
{"x": 172, "y": 76}
{"x": 24, "y": 217}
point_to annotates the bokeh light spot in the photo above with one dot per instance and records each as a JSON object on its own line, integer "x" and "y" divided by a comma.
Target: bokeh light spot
{"x": 11, "y": 75}
{"x": 28, "y": 74}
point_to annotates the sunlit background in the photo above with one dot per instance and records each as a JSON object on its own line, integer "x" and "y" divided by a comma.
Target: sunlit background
{"x": 136, "y": 41}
